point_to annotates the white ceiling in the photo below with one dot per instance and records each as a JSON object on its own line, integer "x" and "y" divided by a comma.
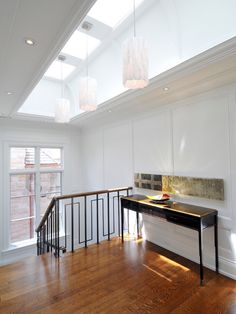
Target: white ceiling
{"x": 50, "y": 24}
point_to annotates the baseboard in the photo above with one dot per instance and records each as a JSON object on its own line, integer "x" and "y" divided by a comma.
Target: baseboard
{"x": 17, "y": 254}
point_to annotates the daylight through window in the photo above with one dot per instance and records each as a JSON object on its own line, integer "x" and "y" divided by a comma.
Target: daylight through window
{"x": 35, "y": 178}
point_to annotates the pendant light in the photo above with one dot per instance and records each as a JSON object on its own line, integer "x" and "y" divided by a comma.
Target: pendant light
{"x": 62, "y": 112}
{"x": 135, "y": 60}
{"x": 87, "y": 84}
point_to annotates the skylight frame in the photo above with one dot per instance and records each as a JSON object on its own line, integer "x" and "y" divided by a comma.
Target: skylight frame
{"x": 77, "y": 45}
{"x": 54, "y": 71}
{"x": 118, "y": 10}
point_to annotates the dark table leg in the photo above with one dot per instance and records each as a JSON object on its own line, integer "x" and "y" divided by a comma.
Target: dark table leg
{"x": 216, "y": 244}
{"x": 137, "y": 216}
{"x": 128, "y": 219}
{"x": 122, "y": 223}
{"x": 200, "y": 255}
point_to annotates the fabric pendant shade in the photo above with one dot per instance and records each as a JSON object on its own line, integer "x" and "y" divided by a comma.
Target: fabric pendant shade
{"x": 62, "y": 113}
{"x": 135, "y": 63}
{"x": 88, "y": 94}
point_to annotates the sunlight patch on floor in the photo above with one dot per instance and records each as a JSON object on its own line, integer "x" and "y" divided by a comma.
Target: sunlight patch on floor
{"x": 169, "y": 261}
{"x": 157, "y": 273}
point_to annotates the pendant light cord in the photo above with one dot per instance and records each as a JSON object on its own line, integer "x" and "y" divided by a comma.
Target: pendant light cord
{"x": 62, "y": 82}
{"x": 87, "y": 61}
{"x": 62, "y": 58}
{"x": 134, "y": 14}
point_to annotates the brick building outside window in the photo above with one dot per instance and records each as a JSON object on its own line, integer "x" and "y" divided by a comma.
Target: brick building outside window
{"x": 35, "y": 177}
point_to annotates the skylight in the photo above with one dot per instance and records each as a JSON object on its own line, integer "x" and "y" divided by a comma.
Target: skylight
{"x": 112, "y": 12}
{"x": 54, "y": 71}
{"x": 77, "y": 45}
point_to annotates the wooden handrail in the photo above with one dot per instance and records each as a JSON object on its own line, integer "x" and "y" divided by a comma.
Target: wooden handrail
{"x": 45, "y": 216}
{"x": 62, "y": 197}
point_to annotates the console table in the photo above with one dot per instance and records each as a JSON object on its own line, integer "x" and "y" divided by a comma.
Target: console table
{"x": 190, "y": 216}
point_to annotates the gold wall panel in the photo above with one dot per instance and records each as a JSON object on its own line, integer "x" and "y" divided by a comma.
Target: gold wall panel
{"x": 198, "y": 187}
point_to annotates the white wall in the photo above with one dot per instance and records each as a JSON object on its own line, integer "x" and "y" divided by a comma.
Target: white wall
{"x": 20, "y": 132}
{"x": 192, "y": 137}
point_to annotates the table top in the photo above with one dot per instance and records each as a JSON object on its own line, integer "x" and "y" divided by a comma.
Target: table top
{"x": 178, "y": 207}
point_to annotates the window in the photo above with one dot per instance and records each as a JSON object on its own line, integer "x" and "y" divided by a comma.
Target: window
{"x": 54, "y": 71}
{"x": 35, "y": 177}
{"x": 112, "y": 12}
{"x": 77, "y": 45}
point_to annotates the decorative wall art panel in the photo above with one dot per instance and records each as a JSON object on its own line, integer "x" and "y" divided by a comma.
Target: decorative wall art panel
{"x": 198, "y": 187}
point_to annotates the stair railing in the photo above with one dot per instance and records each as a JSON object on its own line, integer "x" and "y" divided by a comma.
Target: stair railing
{"x": 74, "y": 220}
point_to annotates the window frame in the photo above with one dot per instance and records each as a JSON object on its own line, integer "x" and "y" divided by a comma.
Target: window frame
{"x": 37, "y": 170}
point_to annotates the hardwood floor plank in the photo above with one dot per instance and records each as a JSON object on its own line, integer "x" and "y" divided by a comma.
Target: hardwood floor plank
{"x": 134, "y": 277}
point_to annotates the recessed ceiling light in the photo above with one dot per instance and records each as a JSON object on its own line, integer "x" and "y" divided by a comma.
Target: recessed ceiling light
{"x": 29, "y": 41}
{"x": 9, "y": 93}
{"x": 166, "y": 88}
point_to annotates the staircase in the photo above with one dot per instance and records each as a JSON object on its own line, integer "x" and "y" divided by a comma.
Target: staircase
{"x": 76, "y": 220}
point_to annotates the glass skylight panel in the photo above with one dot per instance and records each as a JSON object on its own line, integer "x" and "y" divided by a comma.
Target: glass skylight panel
{"x": 77, "y": 45}
{"x": 112, "y": 12}
{"x": 54, "y": 71}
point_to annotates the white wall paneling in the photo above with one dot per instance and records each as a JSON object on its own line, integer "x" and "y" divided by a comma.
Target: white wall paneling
{"x": 92, "y": 154}
{"x": 117, "y": 156}
{"x": 152, "y": 138}
{"x": 191, "y": 137}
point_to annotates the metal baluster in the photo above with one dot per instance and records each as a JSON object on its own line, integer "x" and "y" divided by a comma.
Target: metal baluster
{"x": 47, "y": 237}
{"x": 53, "y": 229}
{"x": 65, "y": 222}
{"x": 37, "y": 243}
{"x": 97, "y": 220}
{"x": 40, "y": 242}
{"x": 118, "y": 195}
{"x": 108, "y": 216}
{"x": 58, "y": 227}
{"x": 44, "y": 238}
{"x": 72, "y": 224}
{"x": 128, "y": 213}
{"x": 85, "y": 221}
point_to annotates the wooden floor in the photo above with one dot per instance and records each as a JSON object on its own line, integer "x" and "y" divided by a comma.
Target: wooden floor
{"x": 134, "y": 277}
